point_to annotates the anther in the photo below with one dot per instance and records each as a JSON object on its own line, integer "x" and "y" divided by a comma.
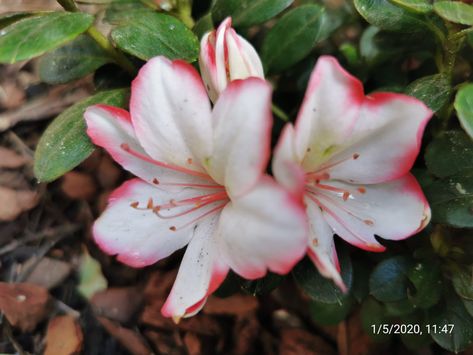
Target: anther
{"x": 155, "y": 181}
{"x": 356, "y": 156}
{"x": 346, "y": 195}
{"x": 134, "y": 204}
{"x": 172, "y": 228}
{"x": 361, "y": 190}
{"x": 368, "y": 222}
{"x": 150, "y": 204}
{"x": 189, "y": 160}
{"x": 125, "y": 146}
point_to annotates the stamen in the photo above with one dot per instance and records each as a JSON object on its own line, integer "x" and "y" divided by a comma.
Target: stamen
{"x": 172, "y": 228}
{"x": 203, "y": 186}
{"x": 324, "y": 167}
{"x": 361, "y": 190}
{"x": 206, "y": 214}
{"x": 180, "y": 169}
{"x": 155, "y": 181}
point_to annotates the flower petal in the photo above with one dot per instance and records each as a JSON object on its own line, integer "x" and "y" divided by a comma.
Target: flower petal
{"x": 207, "y": 64}
{"x": 110, "y": 127}
{"x": 357, "y": 138}
{"x": 321, "y": 245}
{"x": 200, "y": 274}
{"x": 135, "y": 233}
{"x": 330, "y": 108}
{"x": 242, "y": 134}
{"x": 385, "y": 140}
{"x": 394, "y": 210}
{"x": 170, "y": 111}
{"x": 263, "y": 229}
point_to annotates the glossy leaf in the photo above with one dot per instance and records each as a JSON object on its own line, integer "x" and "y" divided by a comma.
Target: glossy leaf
{"x": 388, "y": 282}
{"x": 330, "y": 313}
{"x": 373, "y": 313}
{"x": 292, "y": 38}
{"x": 72, "y": 61}
{"x": 427, "y": 281}
{"x": 12, "y": 17}
{"x": 399, "y": 308}
{"x": 33, "y": 36}
{"x": 453, "y": 313}
{"x": 246, "y": 13}
{"x": 464, "y": 108}
{"x": 389, "y": 17}
{"x": 320, "y": 288}
{"x": 65, "y": 144}
{"x": 450, "y": 154}
{"x": 463, "y": 283}
{"x": 455, "y": 11}
{"x": 433, "y": 90}
{"x": 149, "y": 34}
{"x": 420, "y": 6}
{"x": 261, "y": 286}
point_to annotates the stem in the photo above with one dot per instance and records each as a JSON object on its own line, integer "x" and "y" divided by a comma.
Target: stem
{"x": 184, "y": 12}
{"x": 462, "y": 33}
{"x": 103, "y": 42}
{"x": 280, "y": 113}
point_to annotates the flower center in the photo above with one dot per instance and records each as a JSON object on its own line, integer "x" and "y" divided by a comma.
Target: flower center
{"x": 208, "y": 204}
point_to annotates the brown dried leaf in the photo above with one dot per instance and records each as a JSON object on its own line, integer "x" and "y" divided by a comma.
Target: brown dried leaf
{"x": 11, "y": 160}
{"x": 14, "y": 202}
{"x": 24, "y": 305}
{"x": 78, "y": 186}
{"x": 235, "y": 305}
{"x": 64, "y": 336}
{"x": 300, "y": 341}
{"x": 131, "y": 340}
{"x": 119, "y": 304}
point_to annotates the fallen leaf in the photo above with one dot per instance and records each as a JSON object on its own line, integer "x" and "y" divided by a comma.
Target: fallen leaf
{"x": 11, "y": 160}
{"x": 119, "y": 304}
{"x": 299, "y": 341}
{"x": 49, "y": 272}
{"x": 130, "y": 339}
{"x": 235, "y": 305}
{"x": 24, "y": 305}
{"x": 78, "y": 186}
{"x": 14, "y": 202}
{"x": 193, "y": 344}
{"x": 64, "y": 336}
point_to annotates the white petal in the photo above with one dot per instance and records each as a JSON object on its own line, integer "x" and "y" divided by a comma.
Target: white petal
{"x": 243, "y": 60}
{"x": 393, "y": 210}
{"x": 137, "y": 235}
{"x": 242, "y": 134}
{"x": 110, "y": 127}
{"x": 170, "y": 111}
{"x": 263, "y": 229}
{"x": 321, "y": 245}
{"x": 201, "y": 272}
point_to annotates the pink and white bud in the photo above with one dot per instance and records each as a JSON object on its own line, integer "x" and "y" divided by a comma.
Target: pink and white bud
{"x": 225, "y": 56}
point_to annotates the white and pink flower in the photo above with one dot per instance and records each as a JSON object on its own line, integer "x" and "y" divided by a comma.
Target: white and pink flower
{"x": 350, "y": 155}
{"x": 200, "y": 182}
{"x": 225, "y": 56}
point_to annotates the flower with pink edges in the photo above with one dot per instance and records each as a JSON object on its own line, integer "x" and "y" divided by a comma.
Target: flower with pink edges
{"x": 350, "y": 156}
{"x": 225, "y": 56}
{"x": 200, "y": 181}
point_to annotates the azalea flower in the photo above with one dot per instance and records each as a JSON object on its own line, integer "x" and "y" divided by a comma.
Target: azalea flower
{"x": 350, "y": 155}
{"x": 225, "y": 56}
{"x": 200, "y": 182}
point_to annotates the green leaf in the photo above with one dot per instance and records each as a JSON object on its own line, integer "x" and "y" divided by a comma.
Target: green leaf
{"x": 261, "y": 286}
{"x": 120, "y": 12}
{"x": 451, "y": 200}
{"x": 399, "y": 308}
{"x": 330, "y": 313}
{"x": 450, "y": 154}
{"x": 464, "y": 107}
{"x": 91, "y": 279}
{"x": 454, "y": 313}
{"x": 415, "y": 341}
{"x": 33, "y": 36}
{"x": 433, "y": 90}
{"x": 320, "y": 288}
{"x": 383, "y": 14}
{"x": 360, "y": 287}
{"x": 150, "y": 34}
{"x": 12, "y": 17}
{"x": 374, "y": 314}
{"x": 246, "y": 13}
{"x": 463, "y": 283}
{"x": 388, "y": 282}
{"x": 455, "y": 11}
{"x": 203, "y": 25}
{"x": 292, "y": 38}
{"x": 419, "y": 6}
{"x": 65, "y": 144}
{"x": 468, "y": 306}
{"x": 72, "y": 61}
{"x": 427, "y": 281}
